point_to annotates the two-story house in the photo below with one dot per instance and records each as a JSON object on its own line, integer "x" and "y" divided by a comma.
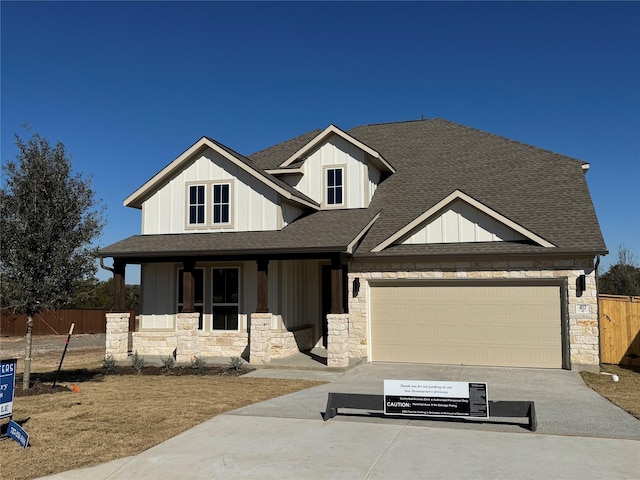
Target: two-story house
{"x": 421, "y": 241}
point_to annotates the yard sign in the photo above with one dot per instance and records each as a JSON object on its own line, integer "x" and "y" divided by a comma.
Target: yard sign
{"x": 7, "y": 386}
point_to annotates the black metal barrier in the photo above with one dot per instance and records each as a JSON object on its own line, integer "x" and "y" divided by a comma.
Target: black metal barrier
{"x": 363, "y": 401}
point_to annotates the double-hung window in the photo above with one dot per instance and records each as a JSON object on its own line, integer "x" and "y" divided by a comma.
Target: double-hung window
{"x": 225, "y": 298}
{"x": 197, "y": 204}
{"x": 221, "y": 203}
{"x": 198, "y": 303}
{"x": 335, "y": 187}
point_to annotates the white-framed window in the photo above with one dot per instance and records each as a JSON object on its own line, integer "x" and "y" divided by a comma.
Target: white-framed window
{"x": 335, "y": 186}
{"x": 197, "y": 205}
{"x": 198, "y": 303}
{"x": 221, "y": 203}
{"x": 225, "y": 298}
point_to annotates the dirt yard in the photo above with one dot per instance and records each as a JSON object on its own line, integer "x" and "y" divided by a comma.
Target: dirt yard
{"x": 46, "y": 351}
{"x": 112, "y": 416}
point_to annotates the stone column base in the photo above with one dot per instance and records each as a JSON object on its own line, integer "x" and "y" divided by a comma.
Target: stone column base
{"x": 338, "y": 340}
{"x": 187, "y": 337}
{"x": 260, "y": 338}
{"x": 117, "y": 342}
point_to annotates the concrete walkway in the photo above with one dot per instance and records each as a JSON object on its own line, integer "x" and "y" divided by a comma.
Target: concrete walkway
{"x": 580, "y": 435}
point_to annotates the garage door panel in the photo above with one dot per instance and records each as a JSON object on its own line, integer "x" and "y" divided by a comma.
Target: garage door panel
{"x": 506, "y": 325}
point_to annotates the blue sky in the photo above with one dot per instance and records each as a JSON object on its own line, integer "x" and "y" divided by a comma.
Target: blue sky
{"x": 128, "y": 86}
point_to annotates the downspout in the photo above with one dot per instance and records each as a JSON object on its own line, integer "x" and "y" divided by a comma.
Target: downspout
{"x": 104, "y": 267}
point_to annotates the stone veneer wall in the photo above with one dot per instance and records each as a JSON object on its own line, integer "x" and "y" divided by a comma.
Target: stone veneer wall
{"x": 583, "y": 327}
{"x": 117, "y": 338}
{"x": 260, "y": 338}
{"x": 337, "y": 340}
{"x": 288, "y": 342}
{"x": 217, "y": 343}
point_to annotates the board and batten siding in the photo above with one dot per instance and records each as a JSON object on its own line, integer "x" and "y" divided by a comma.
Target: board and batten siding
{"x": 360, "y": 177}
{"x": 159, "y": 297}
{"x": 461, "y": 222}
{"x": 294, "y": 293}
{"x": 255, "y": 206}
{"x": 299, "y": 293}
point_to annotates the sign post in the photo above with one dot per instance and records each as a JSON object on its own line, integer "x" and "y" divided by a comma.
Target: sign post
{"x": 435, "y": 398}
{"x": 66, "y": 345}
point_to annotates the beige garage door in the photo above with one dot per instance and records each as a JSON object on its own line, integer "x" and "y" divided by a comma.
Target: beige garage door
{"x": 470, "y": 324}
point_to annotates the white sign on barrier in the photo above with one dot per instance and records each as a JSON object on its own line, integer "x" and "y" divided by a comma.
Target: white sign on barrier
{"x": 436, "y": 398}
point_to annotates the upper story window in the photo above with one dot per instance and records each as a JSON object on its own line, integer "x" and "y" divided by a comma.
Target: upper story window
{"x": 197, "y": 203}
{"x": 221, "y": 203}
{"x": 335, "y": 186}
{"x": 209, "y": 204}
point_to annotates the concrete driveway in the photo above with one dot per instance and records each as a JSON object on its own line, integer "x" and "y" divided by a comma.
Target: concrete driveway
{"x": 580, "y": 435}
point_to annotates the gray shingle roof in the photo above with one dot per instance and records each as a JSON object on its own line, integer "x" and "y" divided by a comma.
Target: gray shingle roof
{"x": 261, "y": 171}
{"x": 272, "y": 157}
{"x": 542, "y": 191}
{"x": 325, "y": 231}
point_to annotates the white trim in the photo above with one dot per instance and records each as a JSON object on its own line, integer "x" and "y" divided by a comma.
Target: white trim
{"x": 322, "y": 136}
{"x": 325, "y": 184}
{"x": 188, "y": 188}
{"x": 585, "y": 166}
{"x": 284, "y": 171}
{"x": 361, "y": 233}
{"x": 136, "y": 198}
{"x": 230, "y": 223}
{"x": 471, "y": 201}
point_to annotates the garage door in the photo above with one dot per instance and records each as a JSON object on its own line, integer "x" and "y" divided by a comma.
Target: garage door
{"x": 470, "y": 324}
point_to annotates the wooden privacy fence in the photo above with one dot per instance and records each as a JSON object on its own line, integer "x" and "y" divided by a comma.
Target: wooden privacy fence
{"x": 50, "y": 322}
{"x": 619, "y": 329}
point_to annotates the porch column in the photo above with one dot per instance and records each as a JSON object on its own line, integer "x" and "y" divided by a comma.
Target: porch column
{"x": 263, "y": 286}
{"x": 260, "y": 338}
{"x": 117, "y": 338}
{"x": 188, "y": 286}
{"x": 119, "y": 267}
{"x": 337, "y": 320}
{"x": 336, "y": 286}
{"x": 187, "y": 336}
{"x": 337, "y": 340}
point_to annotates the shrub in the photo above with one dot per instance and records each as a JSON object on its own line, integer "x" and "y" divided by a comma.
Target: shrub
{"x": 235, "y": 363}
{"x": 137, "y": 362}
{"x": 198, "y": 364}
{"x": 109, "y": 364}
{"x": 168, "y": 363}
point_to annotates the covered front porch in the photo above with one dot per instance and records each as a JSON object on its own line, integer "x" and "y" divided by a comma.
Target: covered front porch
{"x": 288, "y": 309}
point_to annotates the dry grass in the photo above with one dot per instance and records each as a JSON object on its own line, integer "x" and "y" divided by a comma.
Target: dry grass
{"x": 625, "y": 393}
{"x": 118, "y": 416}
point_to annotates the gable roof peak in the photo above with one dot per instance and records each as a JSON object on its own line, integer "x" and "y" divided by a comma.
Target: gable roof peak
{"x": 324, "y": 135}
{"x": 136, "y": 199}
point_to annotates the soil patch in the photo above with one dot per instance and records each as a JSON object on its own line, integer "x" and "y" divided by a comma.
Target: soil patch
{"x": 624, "y": 392}
{"x": 42, "y": 383}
